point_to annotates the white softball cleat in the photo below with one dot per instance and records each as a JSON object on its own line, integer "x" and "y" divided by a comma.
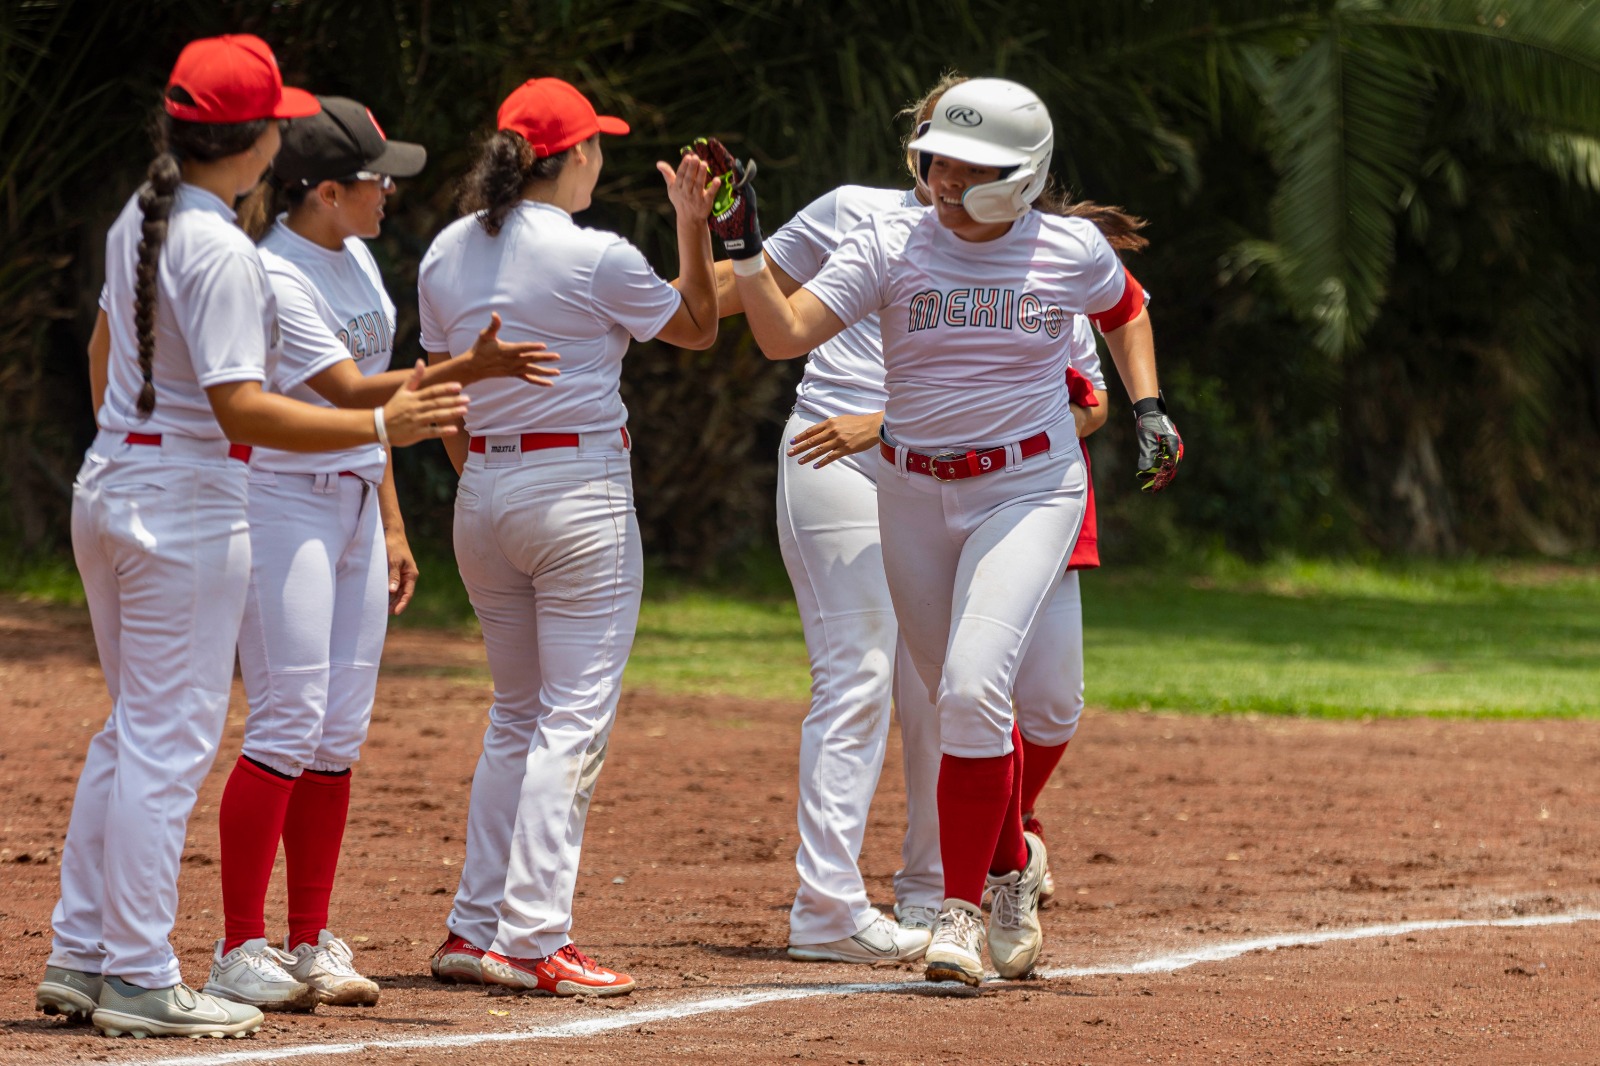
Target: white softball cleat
{"x": 72, "y": 993}
{"x": 257, "y": 973}
{"x": 956, "y": 953}
{"x": 915, "y": 917}
{"x": 1033, "y": 832}
{"x": 128, "y": 1010}
{"x": 328, "y": 968}
{"x": 883, "y": 940}
{"x": 1015, "y": 937}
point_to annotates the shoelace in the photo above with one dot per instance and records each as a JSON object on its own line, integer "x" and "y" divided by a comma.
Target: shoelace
{"x": 1006, "y": 904}
{"x": 338, "y": 957}
{"x": 962, "y": 928}
{"x": 927, "y": 916}
{"x": 573, "y": 955}
{"x": 267, "y": 964}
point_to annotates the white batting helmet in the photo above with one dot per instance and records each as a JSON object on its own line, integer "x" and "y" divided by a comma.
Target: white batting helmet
{"x": 991, "y": 122}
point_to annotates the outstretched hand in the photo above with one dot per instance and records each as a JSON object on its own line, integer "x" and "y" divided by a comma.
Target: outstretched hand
{"x": 691, "y": 188}
{"x": 733, "y": 217}
{"x": 493, "y": 358}
{"x": 415, "y": 413}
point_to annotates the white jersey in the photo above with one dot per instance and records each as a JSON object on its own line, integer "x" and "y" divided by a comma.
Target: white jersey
{"x": 331, "y": 306}
{"x": 844, "y": 375}
{"x": 581, "y": 291}
{"x": 1083, "y": 356}
{"x": 975, "y": 334}
{"x": 215, "y": 320}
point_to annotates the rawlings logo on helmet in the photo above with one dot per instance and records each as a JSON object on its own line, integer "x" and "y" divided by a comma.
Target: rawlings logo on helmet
{"x": 963, "y": 116}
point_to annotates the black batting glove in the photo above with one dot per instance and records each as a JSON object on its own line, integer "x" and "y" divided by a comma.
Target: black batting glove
{"x": 733, "y": 216}
{"x": 1160, "y": 447}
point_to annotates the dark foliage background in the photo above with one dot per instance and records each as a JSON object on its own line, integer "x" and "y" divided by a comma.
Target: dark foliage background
{"x": 1372, "y": 232}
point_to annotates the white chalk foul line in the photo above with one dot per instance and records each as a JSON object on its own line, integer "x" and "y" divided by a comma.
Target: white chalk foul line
{"x": 742, "y": 1001}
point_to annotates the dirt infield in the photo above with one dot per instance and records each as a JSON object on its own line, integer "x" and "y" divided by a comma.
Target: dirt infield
{"x": 1180, "y": 845}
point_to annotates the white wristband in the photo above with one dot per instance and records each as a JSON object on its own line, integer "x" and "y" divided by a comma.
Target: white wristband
{"x": 377, "y": 424}
{"x": 749, "y": 268}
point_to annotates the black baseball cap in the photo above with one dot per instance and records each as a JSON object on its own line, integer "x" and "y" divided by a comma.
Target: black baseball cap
{"x": 339, "y": 141}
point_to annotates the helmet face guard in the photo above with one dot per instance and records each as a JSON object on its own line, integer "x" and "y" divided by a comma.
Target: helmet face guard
{"x": 991, "y": 122}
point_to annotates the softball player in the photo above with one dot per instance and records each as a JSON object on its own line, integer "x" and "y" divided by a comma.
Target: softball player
{"x": 185, "y": 338}
{"x": 828, "y": 531}
{"x": 545, "y": 533}
{"x": 325, "y": 570}
{"x": 984, "y": 483}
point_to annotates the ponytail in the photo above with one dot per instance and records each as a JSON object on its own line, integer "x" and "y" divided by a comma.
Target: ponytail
{"x": 1120, "y": 229}
{"x": 506, "y": 165}
{"x": 155, "y": 202}
{"x": 263, "y": 204}
{"x": 176, "y": 141}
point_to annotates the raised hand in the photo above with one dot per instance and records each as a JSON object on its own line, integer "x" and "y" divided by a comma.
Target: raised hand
{"x": 734, "y": 217}
{"x": 415, "y": 413}
{"x": 493, "y": 358}
{"x": 691, "y": 188}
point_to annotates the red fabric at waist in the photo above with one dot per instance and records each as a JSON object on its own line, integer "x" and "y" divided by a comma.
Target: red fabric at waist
{"x": 240, "y": 452}
{"x": 953, "y": 466}
{"x": 533, "y": 442}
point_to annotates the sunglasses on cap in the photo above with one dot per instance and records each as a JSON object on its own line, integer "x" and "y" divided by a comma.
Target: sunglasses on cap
{"x": 385, "y": 182}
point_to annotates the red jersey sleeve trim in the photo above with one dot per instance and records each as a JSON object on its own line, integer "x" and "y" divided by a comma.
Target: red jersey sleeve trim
{"x": 1126, "y": 309}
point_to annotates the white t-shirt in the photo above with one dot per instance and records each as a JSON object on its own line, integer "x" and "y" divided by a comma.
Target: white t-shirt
{"x": 581, "y": 291}
{"x": 975, "y": 335}
{"x": 844, "y": 375}
{"x": 331, "y": 306}
{"x": 1083, "y": 356}
{"x": 215, "y": 321}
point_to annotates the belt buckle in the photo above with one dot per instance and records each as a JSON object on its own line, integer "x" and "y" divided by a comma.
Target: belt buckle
{"x": 943, "y": 457}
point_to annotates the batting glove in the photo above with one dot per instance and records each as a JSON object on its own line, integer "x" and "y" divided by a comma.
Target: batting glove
{"x": 733, "y": 215}
{"x": 1160, "y": 447}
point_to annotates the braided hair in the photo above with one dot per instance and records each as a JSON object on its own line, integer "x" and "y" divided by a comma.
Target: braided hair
{"x": 176, "y": 140}
{"x": 505, "y": 166}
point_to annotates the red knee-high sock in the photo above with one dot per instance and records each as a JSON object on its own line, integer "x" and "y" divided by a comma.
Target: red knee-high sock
{"x": 312, "y": 834}
{"x": 249, "y": 821}
{"x": 1010, "y": 850}
{"x": 1038, "y": 763}
{"x": 973, "y": 798}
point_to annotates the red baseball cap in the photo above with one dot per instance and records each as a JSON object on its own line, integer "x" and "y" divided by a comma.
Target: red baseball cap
{"x": 234, "y": 78}
{"x": 553, "y": 116}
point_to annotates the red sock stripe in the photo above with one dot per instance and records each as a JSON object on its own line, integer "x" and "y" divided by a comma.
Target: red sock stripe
{"x": 313, "y": 832}
{"x": 1038, "y": 762}
{"x": 1010, "y": 849}
{"x": 973, "y": 797}
{"x": 249, "y": 822}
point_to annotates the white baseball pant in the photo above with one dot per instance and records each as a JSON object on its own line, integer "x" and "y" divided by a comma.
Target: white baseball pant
{"x": 162, "y": 543}
{"x": 971, "y": 565}
{"x": 314, "y": 621}
{"x": 1048, "y": 697}
{"x": 828, "y": 532}
{"x": 548, "y": 546}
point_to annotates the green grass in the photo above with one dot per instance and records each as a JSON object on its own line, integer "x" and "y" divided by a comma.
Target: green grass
{"x": 1325, "y": 639}
{"x": 1344, "y": 640}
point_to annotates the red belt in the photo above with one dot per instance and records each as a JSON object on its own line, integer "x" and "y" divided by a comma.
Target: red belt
{"x": 953, "y": 466}
{"x": 533, "y": 442}
{"x": 240, "y": 452}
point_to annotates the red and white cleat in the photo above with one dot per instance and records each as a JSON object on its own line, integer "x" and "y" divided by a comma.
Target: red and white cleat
{"x": 569, "y": 972}
{"x": 457, "y": 962}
